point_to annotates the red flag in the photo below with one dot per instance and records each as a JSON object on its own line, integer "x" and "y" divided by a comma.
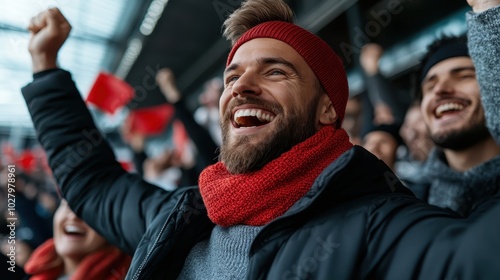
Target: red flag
{"x": 151, "y": 120}
{"x": 180, "y": 137}
{"x": 110, "y": 93}
{"x": 42, "y": 160}
{"x": 27, "y": 161}
{"x": 127, "y": 165}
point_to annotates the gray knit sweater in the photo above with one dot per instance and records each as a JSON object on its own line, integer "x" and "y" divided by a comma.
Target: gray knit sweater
{"x": 460, "y": 191}
{"x": 224, "y": 256}
{"x": 484, "y": 48}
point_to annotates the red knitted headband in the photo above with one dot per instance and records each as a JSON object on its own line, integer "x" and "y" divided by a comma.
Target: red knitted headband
{"x": 325, "y": 64}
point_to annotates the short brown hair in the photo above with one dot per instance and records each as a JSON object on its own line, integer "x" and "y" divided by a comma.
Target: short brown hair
{"x": 252, "y": 13}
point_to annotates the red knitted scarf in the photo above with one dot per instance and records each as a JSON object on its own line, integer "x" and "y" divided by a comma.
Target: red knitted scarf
{"x": 259, "y": 197}
{"x": 107, "y": 264}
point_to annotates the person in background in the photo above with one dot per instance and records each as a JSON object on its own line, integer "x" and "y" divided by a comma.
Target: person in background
{"x": 136, "y": 141}
{"x": 196, "y": 157}
{"x": 76, "y": 252}
{"x": 207, "y": 114}
{"x": 464, "y": 168}
{"x": 207, "y": 149}
{"x": 290, "y": 197}
{"x": 413, "y": 155}
{"x": 415, "y": 134}
{"x": 381, "y": 137}
{"x": 383, "y": 141}
{"x": 387, "y": 108}
{"x": 169, "y": 170}
{"x": 352, "y": 120}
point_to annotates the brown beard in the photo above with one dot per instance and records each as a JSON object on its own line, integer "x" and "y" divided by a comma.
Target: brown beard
{"x": 241, "y": 157}
{"x": 462, "y": 139}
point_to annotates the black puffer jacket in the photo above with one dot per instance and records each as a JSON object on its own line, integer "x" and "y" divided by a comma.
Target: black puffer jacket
{"x": 357, "y": 221}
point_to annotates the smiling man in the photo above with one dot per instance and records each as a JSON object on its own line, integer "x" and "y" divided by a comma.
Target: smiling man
{"x": 265, "y": 110}
{"x": 464, "y": 170}
{"x": 290, "y": 198}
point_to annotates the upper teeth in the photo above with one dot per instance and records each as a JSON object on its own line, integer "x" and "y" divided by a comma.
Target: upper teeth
{"x": 447, "y": 107}
{"x": 73, "y": 229}
{"x": 261, "y": 115}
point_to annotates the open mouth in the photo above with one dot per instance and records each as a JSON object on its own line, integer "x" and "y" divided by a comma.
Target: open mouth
{"x": 252, "y": 118}
{"x": 448, "y": 108}
{"x": 74, "y": 230}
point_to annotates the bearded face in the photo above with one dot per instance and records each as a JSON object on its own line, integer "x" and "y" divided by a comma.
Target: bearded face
{"x": 451, "y": 105}
{"x": 272, "y": 100}
{"x": 242, "y": 155}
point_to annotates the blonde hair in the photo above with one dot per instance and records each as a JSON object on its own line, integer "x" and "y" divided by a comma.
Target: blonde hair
{"x": 252, "y": 13}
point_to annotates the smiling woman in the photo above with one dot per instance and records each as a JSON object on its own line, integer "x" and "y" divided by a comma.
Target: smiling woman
{"x": 76, "y": 252}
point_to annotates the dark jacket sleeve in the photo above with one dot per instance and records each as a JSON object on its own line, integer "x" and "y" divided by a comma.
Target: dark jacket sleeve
{"x": 415, "y": 241}
{"x": 139, "y": 158}
{"x": 207, "y": 149}
{"x": 484, "y": 48}
{"x": 116, "y": 204}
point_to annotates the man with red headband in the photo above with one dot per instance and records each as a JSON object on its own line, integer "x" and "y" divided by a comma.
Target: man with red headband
{"x": 290, "y": 198}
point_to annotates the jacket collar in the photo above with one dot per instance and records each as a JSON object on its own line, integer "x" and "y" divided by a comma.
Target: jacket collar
{"x": 355, "y": 173}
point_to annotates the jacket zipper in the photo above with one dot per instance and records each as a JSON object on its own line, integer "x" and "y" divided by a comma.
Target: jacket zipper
{"x": 146, "y": 259}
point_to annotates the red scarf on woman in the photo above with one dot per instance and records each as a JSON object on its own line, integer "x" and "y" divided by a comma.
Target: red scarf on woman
{"x": 259, "y": 197}
{"x": 107, "y": 264}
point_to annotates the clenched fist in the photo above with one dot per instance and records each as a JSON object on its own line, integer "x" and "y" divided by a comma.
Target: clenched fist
{"x": 49, "y": 30}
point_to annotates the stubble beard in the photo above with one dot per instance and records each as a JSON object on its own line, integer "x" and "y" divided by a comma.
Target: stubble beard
{"x": 240, "y": 156}
{"x": 462, "y": 139}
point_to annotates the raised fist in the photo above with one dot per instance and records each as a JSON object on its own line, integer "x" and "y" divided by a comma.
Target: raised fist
{"x": 49, "y": 30}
